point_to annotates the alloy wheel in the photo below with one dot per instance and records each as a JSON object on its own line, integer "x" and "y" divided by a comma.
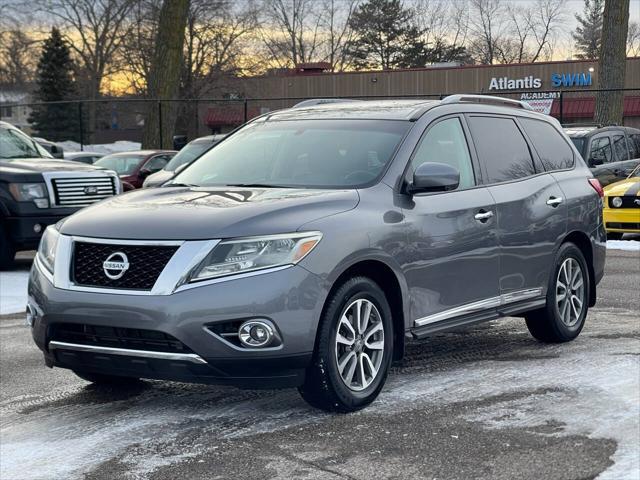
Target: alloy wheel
{"x": 570, "y": 292}
{"x": 359, "y": 344}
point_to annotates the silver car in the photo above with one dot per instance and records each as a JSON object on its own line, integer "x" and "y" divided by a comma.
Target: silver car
{"x": 309, "y": 246}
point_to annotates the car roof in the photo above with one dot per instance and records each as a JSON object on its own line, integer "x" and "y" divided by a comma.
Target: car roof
{"x": 400, "y": 109}
{"x": 83, "y": 153}
{"x": 588, "y": 130}
{"x": 208, "y": 139}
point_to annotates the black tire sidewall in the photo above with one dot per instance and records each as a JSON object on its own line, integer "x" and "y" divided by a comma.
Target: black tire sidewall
{"x": 568, "y": 250}
{"x": 354, "y": 289}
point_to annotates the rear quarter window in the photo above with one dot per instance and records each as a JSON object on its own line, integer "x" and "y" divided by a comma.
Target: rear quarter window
{"x": 553, "y": 150}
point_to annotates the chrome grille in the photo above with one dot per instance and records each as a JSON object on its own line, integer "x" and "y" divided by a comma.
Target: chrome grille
{"x": 82, "y": 191}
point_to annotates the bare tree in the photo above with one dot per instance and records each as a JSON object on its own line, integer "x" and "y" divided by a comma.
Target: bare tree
{"x": 338, "y": 33}
{"x": 94, "y": 30}
{"x": 292, "y": 31}
{"x": 164, "y": 76}
{"x": 612, "y": 63}
{"x": 487, "y": 23}
{"x": 633, "y": 40}
{"x": 17, "y": 62}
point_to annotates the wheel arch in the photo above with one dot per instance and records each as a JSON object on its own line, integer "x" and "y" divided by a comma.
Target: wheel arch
{"x": 392, "y": 286}
{"x": 582, "y": 241}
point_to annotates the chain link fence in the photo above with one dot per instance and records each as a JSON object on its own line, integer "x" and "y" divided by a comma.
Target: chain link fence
{"x": 106, "y": 121}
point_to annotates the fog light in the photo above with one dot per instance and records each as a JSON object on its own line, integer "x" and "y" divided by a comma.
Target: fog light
{"x": 255, "y": 333}
{"x": 37, "y": 228}
{"x": 617, "y": 202}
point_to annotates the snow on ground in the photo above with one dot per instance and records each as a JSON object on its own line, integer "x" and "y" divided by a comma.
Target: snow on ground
{"x": 120, "y": 146}
{"x": 628, "y": 245}
{"x": 13, "y": 291}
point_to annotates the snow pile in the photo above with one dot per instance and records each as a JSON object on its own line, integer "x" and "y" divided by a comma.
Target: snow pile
{"x": 628, "y": 245}
{"x": 13, "y": 291}
{"x": 106, "y": 148}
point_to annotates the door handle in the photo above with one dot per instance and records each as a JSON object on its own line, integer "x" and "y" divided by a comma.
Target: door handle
{"x": 483, "y": 216}
{"x": 554, "y": 201}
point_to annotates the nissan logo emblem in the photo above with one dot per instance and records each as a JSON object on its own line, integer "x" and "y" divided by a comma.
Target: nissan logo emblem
{"x": 115, "y": 265}
{"x": 91, "y": 190}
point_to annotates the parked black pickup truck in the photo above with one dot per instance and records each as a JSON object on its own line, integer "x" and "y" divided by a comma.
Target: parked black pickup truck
{"x": 37, "y": 190}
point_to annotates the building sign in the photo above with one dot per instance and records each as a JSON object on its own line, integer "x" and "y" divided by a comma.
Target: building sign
{"x": 506, "y": 83}
{"x": 557, "y": 80}
{"x": 541, "y": 102}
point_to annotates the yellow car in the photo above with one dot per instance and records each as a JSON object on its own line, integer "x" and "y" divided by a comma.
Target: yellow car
{"x": 622, "y": 206}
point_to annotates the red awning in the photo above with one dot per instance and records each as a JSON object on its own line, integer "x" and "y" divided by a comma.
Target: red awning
{"x": 229, "y": 115}
{"x": 584, "y": 107}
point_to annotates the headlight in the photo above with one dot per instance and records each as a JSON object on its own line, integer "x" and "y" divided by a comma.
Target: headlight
{"x": 616, "y": 202}
{"x": 24, "y": 192}
{"x": 255, "y": 253}
{"x": 47, "y": 248}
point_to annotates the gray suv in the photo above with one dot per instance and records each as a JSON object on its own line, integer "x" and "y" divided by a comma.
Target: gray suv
{"x": 311, "y": 244}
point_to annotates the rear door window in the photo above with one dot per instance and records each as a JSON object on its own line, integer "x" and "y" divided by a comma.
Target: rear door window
{"x": 620, "y": 147}
{"x": 600, "y": 151}
{"x": 553, "y": 150}
{"x": 634, "y": 145}
{"x": 501, "y": 148}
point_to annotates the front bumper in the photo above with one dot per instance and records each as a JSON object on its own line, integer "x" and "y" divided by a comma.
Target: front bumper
{"x": 291, "y": 299}
{"x": 22, "y": 233}
{"x": 623, "y": 220}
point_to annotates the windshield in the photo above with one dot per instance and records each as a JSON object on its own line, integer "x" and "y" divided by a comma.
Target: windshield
{"x": 300, "y": 153}
{"x": 187, "y": 154}
{"x": 15, "y": 144}
{"x": 578, "y": 142}
{"x": 122, "y": 164}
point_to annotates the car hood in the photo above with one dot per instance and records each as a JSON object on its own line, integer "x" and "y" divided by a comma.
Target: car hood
{"x": 178, "y": 213}
{"x": 39, "y": 165}
{"x": 630, "y": 186}
{"x": 158, "y": 178}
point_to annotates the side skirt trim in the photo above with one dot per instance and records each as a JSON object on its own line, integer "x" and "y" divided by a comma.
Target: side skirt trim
{"x": 475, "y": 307}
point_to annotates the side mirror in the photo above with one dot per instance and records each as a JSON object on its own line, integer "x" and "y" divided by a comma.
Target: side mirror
{"x": 434, "y": 177}
{"x": 594, "y": 162}
{"x": 144, "y": 173}
{"x": 57, "y": 152}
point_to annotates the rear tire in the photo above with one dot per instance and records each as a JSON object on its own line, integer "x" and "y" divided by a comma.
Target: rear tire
{"x": 7, "y": 250}
{"x": 352, "y": 358}
{"x": 614, "y": 235}
{"x": 563, "y": 317}
{"x": 102, "y": 379}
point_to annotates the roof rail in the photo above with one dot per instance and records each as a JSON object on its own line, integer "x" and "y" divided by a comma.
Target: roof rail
{"x": 322, "y": 101}
{"x": 486, "y": 100}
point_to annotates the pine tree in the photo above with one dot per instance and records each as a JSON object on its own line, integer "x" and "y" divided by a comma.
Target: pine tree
{"x": 386, "y": 36}
{"x": 55, "y": 82}
{"x": 588, "y": 33}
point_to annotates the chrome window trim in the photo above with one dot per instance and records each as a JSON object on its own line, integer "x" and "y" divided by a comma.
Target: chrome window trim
{"x": 50, "y": 176}
{"x": 475, "y": 307}
{"x": 186, "y": 357}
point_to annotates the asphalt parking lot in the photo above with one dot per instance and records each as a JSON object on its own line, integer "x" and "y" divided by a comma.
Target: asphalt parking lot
{"x": 484, "y": 403}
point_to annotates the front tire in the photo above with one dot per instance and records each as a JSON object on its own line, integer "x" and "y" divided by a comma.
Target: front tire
{"x": 7, "y": 250}
{"x": 563, "y": 317}
{"x": 353, "y": 350}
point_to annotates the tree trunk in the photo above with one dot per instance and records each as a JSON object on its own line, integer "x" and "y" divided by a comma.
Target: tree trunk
{"x": 612, "y": 63}
{"x": 164, "y": 77}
